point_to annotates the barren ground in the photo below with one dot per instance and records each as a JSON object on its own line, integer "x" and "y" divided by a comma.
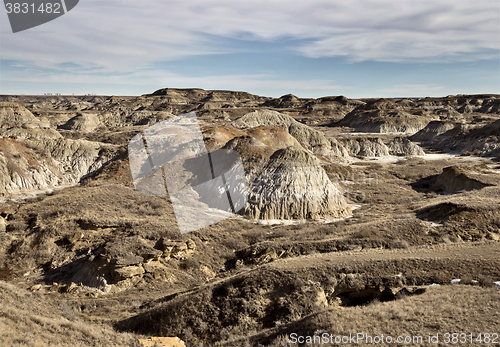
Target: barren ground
{"x": 387, "y": 269}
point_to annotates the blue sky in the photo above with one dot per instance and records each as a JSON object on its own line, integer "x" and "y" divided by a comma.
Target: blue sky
{"x": 369, "y": 48}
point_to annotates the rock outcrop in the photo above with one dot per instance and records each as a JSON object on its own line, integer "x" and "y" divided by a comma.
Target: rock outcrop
{"x": 15, "y": 115}
{"x": 433, "y": 129}
{"x": 309, "y": 138}
{"x": 34, "y": 165}
{"x": 18, "y": 122}
{"x": 84, "y": 122}
{"x": 471, "y": 139}
{"x": 162, "y": 342}
{"x": 454, "y": 179}
{"x": 365, "y": 147}
{"x": 294, "y": 186}
{"x": 403, "y": 147}
{"x": 384, "y": 121}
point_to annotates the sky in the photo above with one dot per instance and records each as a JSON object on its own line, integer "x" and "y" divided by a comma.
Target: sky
{"x": 314, "y": 48}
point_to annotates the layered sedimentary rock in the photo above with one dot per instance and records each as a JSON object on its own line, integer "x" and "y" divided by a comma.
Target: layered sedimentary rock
{"x": 471, "y": 139}
{"x": 384, "y": 121}
{"x": 403, "y": 147}
{"x": 433, "y": 129}
{"x": 34, "y": 164}
{"x": 292, "y": 185}
{"x": 309, "y": 138}
{"x": 365, "y": 147}
{"x": 14, "y": 115}
{"x": 85, "y": 122}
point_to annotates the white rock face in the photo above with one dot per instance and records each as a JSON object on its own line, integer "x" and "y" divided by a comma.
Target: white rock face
{"x": 365, "y": 147}
{"x": 34, "y": 165}
{"x": 294, "y": 186}
{"x": 14, "y": 115}
{"x": 404, "y": 147}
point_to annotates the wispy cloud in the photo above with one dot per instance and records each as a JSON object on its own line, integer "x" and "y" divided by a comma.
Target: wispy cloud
{"x": 121, "y": 39}
{"x": 270, "y": 83}
{"x": 123, "y": 34}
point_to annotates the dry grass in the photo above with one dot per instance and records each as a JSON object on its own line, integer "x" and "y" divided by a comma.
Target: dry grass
{"x": 446, "y": 309}
{"x": 35, "y": 320}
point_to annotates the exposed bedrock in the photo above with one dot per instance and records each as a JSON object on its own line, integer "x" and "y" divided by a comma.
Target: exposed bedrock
{"x": 292, "y": 185}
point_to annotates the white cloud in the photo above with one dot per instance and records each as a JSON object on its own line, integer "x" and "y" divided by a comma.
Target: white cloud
{"x": 125, "y": 35}
{"x": 269, "y": 84}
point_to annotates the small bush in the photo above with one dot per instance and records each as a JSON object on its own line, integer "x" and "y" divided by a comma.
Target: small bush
{"x": 399, "y": 244}
{"x": 190, "y": 263}
{"x": 233, "y": 243}
{"x": 254, "y": 236}
{"x": 486, "y": 281}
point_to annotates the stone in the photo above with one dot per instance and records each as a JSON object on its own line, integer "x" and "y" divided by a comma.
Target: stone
{"x": 3, "y": 225}
{"x": 72, "y": 288}
{"x": 191, "y": 244}
{"x": 179, "y": 251}
{"x": 162, "y": 342}
{"x": 128, "y": 259}
{"x": 34, "y": 164}
{"x": 494, "y": 236}
{"x": 127, "y": 272}
{"x": 36, "y": 288}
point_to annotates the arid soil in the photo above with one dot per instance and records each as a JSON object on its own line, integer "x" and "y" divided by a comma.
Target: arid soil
{"x": 363, "y": 215}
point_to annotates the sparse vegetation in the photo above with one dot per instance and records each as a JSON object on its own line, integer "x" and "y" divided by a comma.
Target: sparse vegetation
{"x": 98, "y": 264}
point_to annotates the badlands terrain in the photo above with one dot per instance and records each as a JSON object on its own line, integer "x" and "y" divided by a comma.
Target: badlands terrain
{"x": 374, "y": 216}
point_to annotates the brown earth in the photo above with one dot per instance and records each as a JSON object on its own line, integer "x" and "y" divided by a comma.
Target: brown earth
{"x": 99, "y": 264}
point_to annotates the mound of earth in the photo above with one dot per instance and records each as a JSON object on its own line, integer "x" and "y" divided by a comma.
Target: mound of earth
{"x": 309, "y": 138}
{"x": 18, "y": 122}
{"x": 15, "y": 115}
{"x": 403, "y": 147}
{"x": 365, "y": 147}
{"x": 484, "y": 141}
{"x": 455, "y": 179}
{"x": 286, "y": 101}
{"x": 384, "y": 121}
{"x": 372, "y": 147}
{"x": 85, "y": 122}
{"x": 32, "y": 133}
{"x": 433, "y": 129}
{"x": 294, "y": 186}
{"x": 256, "y": 145}
{"x": 286, "y": 182}
{"x": 217, "y": 137}
{"x": 472, "y": 139}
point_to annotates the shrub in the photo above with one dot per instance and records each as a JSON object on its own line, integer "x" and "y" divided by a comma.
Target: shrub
{"x": 233, "y": 243}
{"x": 190, "y": 263}
{"x": 486, "y": 281}
{"x": 399, "y": 244}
